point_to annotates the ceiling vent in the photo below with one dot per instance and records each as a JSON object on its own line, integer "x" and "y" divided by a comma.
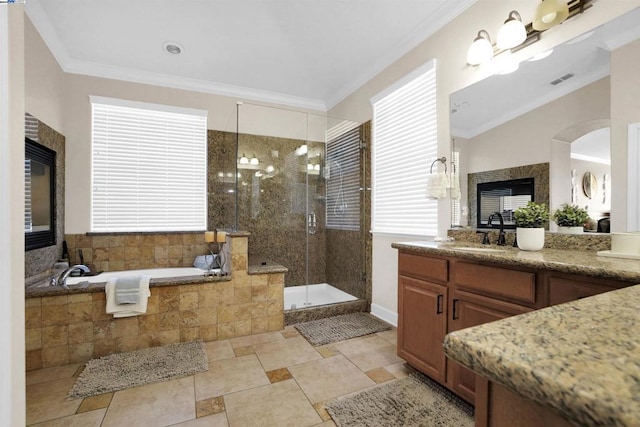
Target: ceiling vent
{"x": 562, "y": 79}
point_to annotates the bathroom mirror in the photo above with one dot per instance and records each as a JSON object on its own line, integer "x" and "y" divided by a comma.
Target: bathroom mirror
{"x": 535, "y": 114}
{"x": 39, "y": 195}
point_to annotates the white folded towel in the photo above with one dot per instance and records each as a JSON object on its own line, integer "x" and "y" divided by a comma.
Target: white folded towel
{"x": 127, "y": 290}
{"x": 437, "y": 184}
{"x": 454, "y": 182}
{"x": 127, "y": 310}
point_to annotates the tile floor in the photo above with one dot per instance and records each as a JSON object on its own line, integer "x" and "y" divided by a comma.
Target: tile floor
{"x": 271, "y": 379}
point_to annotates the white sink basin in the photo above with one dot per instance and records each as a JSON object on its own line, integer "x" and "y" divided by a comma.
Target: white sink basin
{"x": 472, "y": 249}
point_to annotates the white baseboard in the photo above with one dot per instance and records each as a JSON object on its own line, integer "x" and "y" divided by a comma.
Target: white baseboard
{"x": 384, "y": 314}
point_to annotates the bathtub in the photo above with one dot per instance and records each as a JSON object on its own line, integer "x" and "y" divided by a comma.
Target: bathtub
{"x": 319, "y": 294}
{"x": 155, "y": 273}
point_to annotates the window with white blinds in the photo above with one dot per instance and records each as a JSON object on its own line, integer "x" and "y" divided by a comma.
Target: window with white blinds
{"x": 342, "y": 173}
{"x": 149, "y": 165}
{"x": 404, "y": 146}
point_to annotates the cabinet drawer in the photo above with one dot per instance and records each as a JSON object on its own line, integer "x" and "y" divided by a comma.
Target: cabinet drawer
{"x": 565, "y": 290}
{"x": 495, "y": 281}
{"x": 423, "y": 267}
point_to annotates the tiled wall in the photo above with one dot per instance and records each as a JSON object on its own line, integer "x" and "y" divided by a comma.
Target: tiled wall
{"x": 39, "y": 260}
{"x": 74, "y": 328}
{"x": 134, "y": 251}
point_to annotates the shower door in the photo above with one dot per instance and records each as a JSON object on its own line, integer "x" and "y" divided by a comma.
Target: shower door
{"x": 300, "y": 195}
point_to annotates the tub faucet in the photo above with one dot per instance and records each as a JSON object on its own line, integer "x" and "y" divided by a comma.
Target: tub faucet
{"x": 62, "y": 278}
{"x": 501, "y": 236}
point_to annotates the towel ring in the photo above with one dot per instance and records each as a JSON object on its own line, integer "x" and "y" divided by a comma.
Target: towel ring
{"x": 443, "y": 160}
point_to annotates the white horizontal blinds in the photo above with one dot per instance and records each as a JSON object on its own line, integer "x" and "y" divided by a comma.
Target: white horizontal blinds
{"x": 404, "y": 146}
{"x": 342, "y": 172}
{"x": 149, "y": 167}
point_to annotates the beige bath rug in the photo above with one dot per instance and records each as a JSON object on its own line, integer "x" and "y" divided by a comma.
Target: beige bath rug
{"x": 124, "y": 370}
{"x": 412, "y": 401}
{"x": 340, "y": 328}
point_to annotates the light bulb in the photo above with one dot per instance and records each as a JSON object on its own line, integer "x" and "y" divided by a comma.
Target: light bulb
{"x": 270, "y": 169}
{"x": 512, "y": 33}
{"x": 480, "y": 50}
{"x": 254, "y": 160}
{"x": 549, "y": 17}
{"x": 244, "y": 160}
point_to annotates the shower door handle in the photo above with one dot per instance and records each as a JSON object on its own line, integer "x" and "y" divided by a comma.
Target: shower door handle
{"x": 312, "y": 224}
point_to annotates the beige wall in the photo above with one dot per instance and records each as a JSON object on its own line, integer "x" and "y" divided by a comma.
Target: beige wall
{"x": 12, "y": 342}
{"x": 449, "y": 47}
{"x": 625, "y": 110}
{"x": 44, "y": 80}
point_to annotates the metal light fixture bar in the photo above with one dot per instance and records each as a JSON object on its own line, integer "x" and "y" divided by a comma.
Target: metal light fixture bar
{"x": 576, "y": 7}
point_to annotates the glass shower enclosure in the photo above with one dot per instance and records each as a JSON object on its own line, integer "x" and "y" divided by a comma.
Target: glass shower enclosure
{"x": 299, "y": 187}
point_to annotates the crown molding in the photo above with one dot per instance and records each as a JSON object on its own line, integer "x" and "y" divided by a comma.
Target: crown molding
{"x": 446, "y": 13}
{"x": 157, "y": 79}
{"x": 40, "y": 20}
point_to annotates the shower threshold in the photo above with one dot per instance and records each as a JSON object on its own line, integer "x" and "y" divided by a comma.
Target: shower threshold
{"x": 295, "y": 297}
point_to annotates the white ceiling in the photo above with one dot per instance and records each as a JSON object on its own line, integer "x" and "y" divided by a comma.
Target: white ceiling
{"x": 302, "y": 53}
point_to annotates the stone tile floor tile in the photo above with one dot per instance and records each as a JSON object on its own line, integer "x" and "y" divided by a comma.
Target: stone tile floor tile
{"x": 95, "y": 402}
{"x": 230, "y": 375}
{"x": 282, "y": 354}
{"x": 369, "y": 353}
{"x": 280, "y": 404}
{"x": 339, "y": 376}
{"x": 278, "y": 375}
{"x": 47, "y": 401}
{"x": 211, "y": 406}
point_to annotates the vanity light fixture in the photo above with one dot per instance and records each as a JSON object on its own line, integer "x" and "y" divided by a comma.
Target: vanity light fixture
{"x": 513, "y": 33}
{"x": 244, "y": 160}
{"x": 254, "y": 160}
{"x": 480, "y": 50}
{"x": 550, "y": 13}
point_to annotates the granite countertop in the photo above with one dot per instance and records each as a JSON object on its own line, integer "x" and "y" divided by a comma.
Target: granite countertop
{"x": 562, "y": 260}
{"x": 41, "y": 289}
{"x": 581, "y": 358}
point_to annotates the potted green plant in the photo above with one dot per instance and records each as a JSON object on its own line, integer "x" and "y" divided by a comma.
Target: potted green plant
{"x": 570, "y": 219}
{"x": 530, "y": 221}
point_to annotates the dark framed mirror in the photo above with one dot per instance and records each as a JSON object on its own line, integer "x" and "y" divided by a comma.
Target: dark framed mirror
{"x": 39, "y": 196}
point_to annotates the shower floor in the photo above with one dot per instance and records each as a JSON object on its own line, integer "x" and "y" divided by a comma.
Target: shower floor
{"x": 319, "y": 294}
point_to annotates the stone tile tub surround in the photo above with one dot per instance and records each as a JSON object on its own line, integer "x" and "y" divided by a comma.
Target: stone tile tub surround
{"x": 571, "y": 261}
{"x": 581, "y": 358}
{"x": 72, "y": 326}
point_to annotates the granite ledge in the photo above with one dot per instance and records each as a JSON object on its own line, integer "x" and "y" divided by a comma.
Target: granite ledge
{"x": 262, "y": 265}
{"x": 41, "y": 290}
{"x": 580, "y": 358}
{"x": 560, "y": 260}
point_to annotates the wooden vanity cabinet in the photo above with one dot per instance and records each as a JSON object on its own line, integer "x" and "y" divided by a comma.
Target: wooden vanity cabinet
{"x": 482, "y": 294}
{"x": 440, "y": 294}
{"x": 422, "y": 308}
{"x": 468, "y": 310}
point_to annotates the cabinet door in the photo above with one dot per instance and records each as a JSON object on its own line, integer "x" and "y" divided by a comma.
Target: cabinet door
{"x": 422, "y": 325}
{"x": 471, "y": 310}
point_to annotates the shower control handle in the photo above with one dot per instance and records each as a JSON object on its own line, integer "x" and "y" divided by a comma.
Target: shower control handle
{"x": 312, "y": 224}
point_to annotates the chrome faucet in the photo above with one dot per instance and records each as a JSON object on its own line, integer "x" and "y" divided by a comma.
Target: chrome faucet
{"x": 501, "y": 236}
{"x": 61, "y": 280}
